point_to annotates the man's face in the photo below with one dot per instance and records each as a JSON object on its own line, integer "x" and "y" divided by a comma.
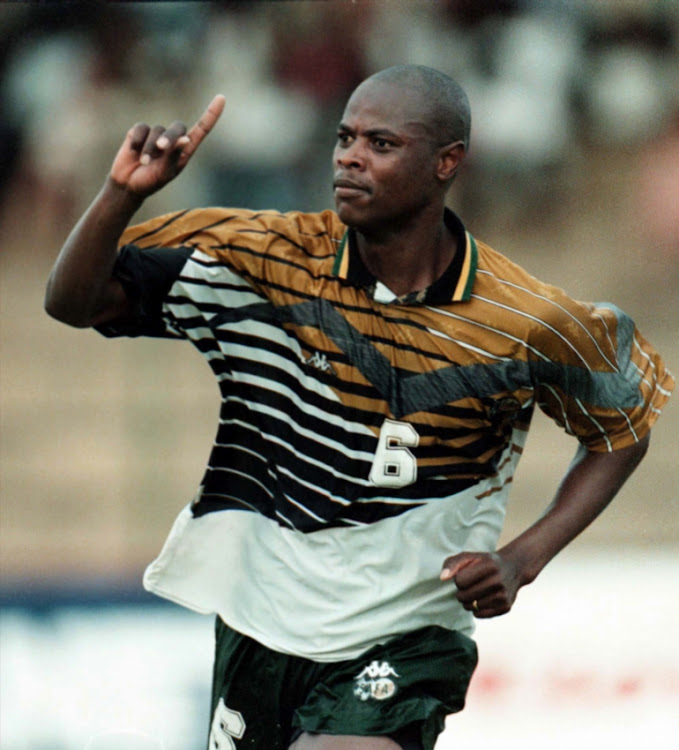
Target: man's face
{"x": 384, "y": 160}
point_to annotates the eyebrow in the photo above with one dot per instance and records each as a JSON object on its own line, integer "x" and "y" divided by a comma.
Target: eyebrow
{"x": 372, "y": 132}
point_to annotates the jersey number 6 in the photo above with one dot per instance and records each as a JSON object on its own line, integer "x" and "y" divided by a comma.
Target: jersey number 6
{"x": 226, "y": 725}
{"x": 394, "y": 465}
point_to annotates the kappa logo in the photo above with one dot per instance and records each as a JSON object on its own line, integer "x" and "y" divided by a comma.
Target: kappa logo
{"x": 376, "y": 682}
{"x": 320, "y": 362}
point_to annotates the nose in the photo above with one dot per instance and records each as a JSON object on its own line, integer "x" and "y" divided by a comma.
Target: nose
{"x": 349, "y": 155}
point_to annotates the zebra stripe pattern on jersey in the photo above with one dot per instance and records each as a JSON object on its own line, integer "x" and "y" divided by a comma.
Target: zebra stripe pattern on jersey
{"x": 321, "y": 383}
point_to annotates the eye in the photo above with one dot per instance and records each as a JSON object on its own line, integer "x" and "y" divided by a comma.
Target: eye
{"x": 382, "y": 144}
{"x": 343, "y": 138}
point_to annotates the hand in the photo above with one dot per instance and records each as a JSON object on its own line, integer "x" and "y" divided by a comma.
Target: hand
{"x": 150, "y": 157}
{"x": 487, "y": 583}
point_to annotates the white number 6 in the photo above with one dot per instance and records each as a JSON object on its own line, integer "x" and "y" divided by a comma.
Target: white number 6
{"x": 394, "y": 465}
{"x": 226, "y": 725}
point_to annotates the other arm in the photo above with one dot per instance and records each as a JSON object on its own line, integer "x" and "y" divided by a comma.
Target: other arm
{"x": 489, "y": 582}
{"x": 81, "y": 289}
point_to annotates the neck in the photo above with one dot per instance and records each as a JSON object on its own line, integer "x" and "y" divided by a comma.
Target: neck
{"x": 411, "y": 260}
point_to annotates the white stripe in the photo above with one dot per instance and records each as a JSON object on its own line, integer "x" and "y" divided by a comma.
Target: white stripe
{"x": 201, "y": 294}
{"x": 605, "y": 325}
{"x": 352, "y": 522}
{"x": 497, "y": 331}
{"x": 397, "y": 500}
{"x": 558, "y": 306}
{"x": 242, "y": 449}
{"x": 213, "y": 273}
{"x": 314, "y": 488}
{"x": 564, "y": 415}
{"x": 195, "y": 333}
{"x": 537, "y": 320}
{"x": 260, "y": 354}
{"x": 287, "y": 520}
{"x": 199, "y": 259}
{"x": 643, "y": 379}
{"x": 194, "y": 273}
{"x": 643, "y": 353}
{"x": 470, "y": 347}
{"x": 629, "y": 424}
{"x": 325, "y": 465}
{"x": 595, "y": 423}
{"x": 306, "y": 510}
{"x": 229, "y": 470}
{"x": 234, "y": 499}
{"x": 267, "y": 384}
{"x": 257, "y": 329}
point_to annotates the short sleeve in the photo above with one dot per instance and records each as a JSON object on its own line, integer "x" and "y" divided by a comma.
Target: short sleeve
{"x": 146, "y": 276}
{"x": 610, "y": 386}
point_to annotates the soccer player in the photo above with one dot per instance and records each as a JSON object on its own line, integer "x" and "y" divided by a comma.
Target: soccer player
{"x": 378, "y": 368}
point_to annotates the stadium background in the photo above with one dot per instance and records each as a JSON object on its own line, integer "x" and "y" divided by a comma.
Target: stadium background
{"x": 573, "y": 172}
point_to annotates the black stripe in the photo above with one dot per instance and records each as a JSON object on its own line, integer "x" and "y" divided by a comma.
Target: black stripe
{"x": 159, "y": 228}
{"x": 289, "y": 240}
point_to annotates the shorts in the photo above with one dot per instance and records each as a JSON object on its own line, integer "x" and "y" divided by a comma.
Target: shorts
{"x": 263, "y": 699}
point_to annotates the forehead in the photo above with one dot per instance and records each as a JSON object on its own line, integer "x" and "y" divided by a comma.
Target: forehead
{"x": 388, "y": 106}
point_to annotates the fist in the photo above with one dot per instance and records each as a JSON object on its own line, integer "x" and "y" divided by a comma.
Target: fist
{"x": 486, "y": 583}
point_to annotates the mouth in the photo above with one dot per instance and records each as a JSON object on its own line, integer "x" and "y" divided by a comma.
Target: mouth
{"x": 349, "y": 188}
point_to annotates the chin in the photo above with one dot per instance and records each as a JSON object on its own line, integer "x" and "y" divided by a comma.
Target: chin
{"x": 351, "y": 216}
{"x": 346, "y": 215}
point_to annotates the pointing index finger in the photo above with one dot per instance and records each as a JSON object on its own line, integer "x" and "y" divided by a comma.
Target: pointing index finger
{"x": 208, "y": 119}
{"x": 205, "y": 124}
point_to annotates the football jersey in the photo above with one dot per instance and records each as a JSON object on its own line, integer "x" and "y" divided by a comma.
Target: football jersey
{"x": 362, "y": 437}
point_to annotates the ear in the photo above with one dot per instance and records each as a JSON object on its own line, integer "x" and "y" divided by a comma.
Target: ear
{"x": 450, "y": 158}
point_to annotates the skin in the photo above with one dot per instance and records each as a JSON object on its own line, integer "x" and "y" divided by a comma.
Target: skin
{"x": 390, "y": 183}
{"x": 391, "y": 179}
{"x": 81, "y": 290}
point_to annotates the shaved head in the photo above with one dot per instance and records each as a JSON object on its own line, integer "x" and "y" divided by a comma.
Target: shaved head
{"x": 402, "y": 137}
{"x": 444, "y": 102}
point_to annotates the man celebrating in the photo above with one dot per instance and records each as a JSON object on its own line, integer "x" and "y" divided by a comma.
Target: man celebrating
{"x": 378, "y": 368}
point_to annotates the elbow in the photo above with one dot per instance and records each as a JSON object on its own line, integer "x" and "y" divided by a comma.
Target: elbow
{"x": 64, "y": 315}
{"x": 63, "y": 310}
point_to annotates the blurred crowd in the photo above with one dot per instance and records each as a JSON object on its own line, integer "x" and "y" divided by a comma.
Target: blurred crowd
{"x": 549, "y": 81}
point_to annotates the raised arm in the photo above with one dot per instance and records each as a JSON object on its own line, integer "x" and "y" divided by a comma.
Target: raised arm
{"x": 488, "y": 583}
{"x": 81, "y": 289}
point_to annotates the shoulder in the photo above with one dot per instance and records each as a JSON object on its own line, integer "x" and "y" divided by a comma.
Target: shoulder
{"x": 506, "y": 282}
{"x": 496, "y": 269}
{"x": 272, "y": 244}
{"x": 295, "y": 233}
{"x": 544, "y": 314}
{"x": 213, "y": 227}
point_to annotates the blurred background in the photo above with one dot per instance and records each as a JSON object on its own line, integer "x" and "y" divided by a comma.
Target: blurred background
{"x": 573, "y": 172}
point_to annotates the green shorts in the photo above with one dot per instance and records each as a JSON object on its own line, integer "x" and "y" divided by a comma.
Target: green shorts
{"x": 263, "y": 700}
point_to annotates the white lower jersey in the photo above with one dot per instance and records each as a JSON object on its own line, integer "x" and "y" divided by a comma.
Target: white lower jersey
{"x": 331, "y": 594}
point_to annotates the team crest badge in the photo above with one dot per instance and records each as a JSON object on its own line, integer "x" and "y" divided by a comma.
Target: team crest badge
{"x": 376, "y": 682}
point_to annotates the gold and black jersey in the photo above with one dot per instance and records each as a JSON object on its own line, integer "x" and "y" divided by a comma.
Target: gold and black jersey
{"x": 362, "y": 438}
{"x": 343, "y": 404}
